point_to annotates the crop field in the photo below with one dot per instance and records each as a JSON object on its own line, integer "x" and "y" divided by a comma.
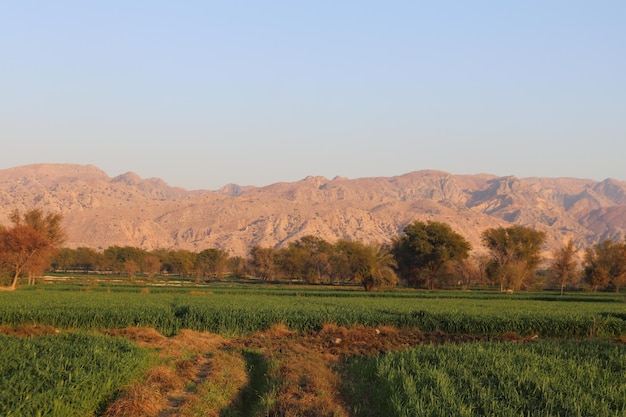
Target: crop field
{"x": 252, "y": 350}
{"x": 494, "y": 379}
{"x": 71, "y": 374}
{"x": 232, "y": 313}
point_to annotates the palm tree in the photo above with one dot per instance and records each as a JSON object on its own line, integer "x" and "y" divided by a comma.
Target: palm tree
{"x": 379, "y": 272}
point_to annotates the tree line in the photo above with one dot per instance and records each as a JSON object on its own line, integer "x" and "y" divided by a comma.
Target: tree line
{"x": 425, "y": 255}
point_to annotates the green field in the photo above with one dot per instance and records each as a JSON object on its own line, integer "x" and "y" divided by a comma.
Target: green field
{"x": 493, "y": 379}
{"x": 71, "y": 374}
{"x": 575, "y": 365}
{"x": 238, "y": 311}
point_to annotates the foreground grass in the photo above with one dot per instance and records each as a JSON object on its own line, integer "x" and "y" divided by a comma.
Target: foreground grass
{"x": 65, "y": 374}
{"x": 492, "y": 379}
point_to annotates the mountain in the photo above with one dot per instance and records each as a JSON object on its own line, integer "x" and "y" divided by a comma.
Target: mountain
{"x": 100, "y": 211}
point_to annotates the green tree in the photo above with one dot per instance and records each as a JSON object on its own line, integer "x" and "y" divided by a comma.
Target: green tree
{"x": 290, "y": 262}
{"x": 117, "y": 256}
{"x": 306, "y": 259}
{"x": 369, "y": 265}
{"x": 379, "y": 273}
{"x": 84, "y": 259}
{"x": 64, "y": 259}
{"x": 564, "y": 267}
{"x": 605, "y": 265}
{"x": 237, "y": 266}
{"x": 515, "y": 255}
{"x": 88, "y": 259}
{"x": 180, "y": 262}
{"x": 211, "y": 262}
{"x": 348, "y": 261}
{"x": 425, "y": 249}
{"x": 317, "y": 251}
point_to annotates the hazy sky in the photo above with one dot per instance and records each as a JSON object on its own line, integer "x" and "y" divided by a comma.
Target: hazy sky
{"x": 203, "y": 93}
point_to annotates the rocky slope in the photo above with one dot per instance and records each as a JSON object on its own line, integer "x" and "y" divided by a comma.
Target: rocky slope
{"x": 100, "y": 211}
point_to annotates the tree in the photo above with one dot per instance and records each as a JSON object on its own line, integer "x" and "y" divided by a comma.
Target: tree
{"x": 605, "y": 264}
{"x": 425, "y": 249}
{"x": 237, "y": 266}
{"x": 130, "y": 268}
{"x": 263, "y": 262}
{"x": 348, "y": 261}
{"x": 152, "y": 265}
{"x": 88, "y": 259}
{"x": 64, "y": 259}
{"x": 118, "y": 256}
{"x": 306, "y": 259}
{"x": 564, "y": 266}
{"x": 48, "y": 225}
{"x": 467, "y": 272}
{"x": 28, "y": 246}
{"x": 515, "y": 254}
{"x": 369, "y": 265}
{"x": 290, "y": 262}
{"x": 212, "y": 262}
{"x": 181, "y": 262}
{"x": 317, "y": 253}
{"x": 379, "y": 272}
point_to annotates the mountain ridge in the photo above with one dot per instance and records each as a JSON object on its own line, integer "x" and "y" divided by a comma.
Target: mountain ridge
{"x": 100, "y": 211}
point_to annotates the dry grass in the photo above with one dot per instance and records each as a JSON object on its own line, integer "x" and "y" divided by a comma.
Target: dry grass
{"x": 139, "y": 400}
{"x": 28, "y": 330}
{"x": 165, "y": 379}
{"x": 307, "y": 385}
{"x": 219, "y": 388}
{"x": 184, "y": 363}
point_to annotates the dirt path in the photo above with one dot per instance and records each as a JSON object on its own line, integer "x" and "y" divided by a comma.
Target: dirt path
{"x": 299, "y": 376}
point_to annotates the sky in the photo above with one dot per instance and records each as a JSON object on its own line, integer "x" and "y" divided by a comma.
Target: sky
{"x": 205, "y": 93}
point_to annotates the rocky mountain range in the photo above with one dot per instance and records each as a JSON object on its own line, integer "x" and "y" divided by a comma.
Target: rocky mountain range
{"x": 100, "y": 211}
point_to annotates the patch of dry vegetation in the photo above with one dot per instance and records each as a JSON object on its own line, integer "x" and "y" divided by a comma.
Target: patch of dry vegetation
{"x": 183, "y": 366}
{"x": 28, "y": 330}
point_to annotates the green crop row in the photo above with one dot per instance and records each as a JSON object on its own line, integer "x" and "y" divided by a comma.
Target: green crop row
{"x": 244, "y": 313}
{"x": 72, "y": 374}
{"x": 492, "y": 379}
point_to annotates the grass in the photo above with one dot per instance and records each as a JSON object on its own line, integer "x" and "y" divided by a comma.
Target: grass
{"x": 245, "y": 312}
{"x": 66, "y": 374}
{"x": 492, "y": 379}
{"x": 283, "y": 343}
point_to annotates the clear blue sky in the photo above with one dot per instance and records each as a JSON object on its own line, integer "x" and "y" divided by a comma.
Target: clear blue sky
{"x": 203, "y": 93}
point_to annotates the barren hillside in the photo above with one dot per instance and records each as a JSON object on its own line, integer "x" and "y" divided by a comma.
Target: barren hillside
{"x": 100, "y": 211}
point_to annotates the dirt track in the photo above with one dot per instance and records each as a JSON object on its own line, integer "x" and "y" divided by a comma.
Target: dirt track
{"x": 306, "y": 381}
